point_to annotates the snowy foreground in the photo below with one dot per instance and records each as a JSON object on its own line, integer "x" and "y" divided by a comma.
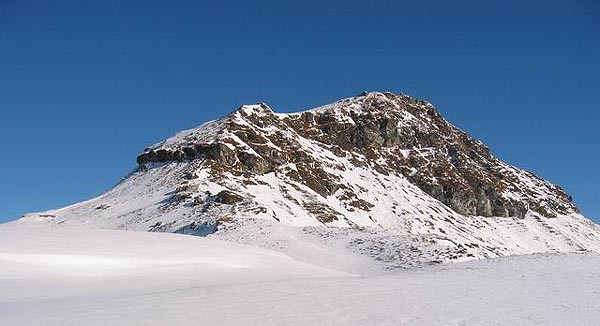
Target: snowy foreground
{"x": 74, "y": 277}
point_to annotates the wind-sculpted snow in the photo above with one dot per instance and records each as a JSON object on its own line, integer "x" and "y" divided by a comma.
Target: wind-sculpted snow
{"x": 382, "y": 175}
{"x": 104, "y": 277}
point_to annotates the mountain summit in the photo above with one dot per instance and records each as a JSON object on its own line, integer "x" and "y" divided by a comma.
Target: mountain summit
{"x": 383, "y": 173}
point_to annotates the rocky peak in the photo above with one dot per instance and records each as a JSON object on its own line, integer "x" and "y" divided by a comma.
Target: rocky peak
{"x": 390, "y": 134}
{"x": 259, "y": 110}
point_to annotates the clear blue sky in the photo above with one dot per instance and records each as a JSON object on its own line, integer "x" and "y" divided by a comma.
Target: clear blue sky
{"x": 86, "y": 85}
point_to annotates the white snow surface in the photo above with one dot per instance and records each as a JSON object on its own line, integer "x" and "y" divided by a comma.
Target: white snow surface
{"x": 51, "y": 276}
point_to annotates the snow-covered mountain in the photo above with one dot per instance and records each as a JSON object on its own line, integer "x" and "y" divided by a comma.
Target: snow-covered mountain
{"x": 381, "y": 174}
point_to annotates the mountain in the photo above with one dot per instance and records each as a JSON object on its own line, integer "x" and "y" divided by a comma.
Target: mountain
{"x": 381, "y": 174}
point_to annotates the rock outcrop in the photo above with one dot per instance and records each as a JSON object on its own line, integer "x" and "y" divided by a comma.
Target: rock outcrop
{"x": 394, "y": 134}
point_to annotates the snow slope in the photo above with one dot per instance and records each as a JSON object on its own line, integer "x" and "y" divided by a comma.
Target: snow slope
{"x": 81, "y": 277}
{"x": 408, "y": 227}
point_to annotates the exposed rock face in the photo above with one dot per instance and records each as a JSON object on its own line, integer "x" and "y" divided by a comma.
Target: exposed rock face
{"x": 228, "y": 197}
{"x": 393, "y": 134}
